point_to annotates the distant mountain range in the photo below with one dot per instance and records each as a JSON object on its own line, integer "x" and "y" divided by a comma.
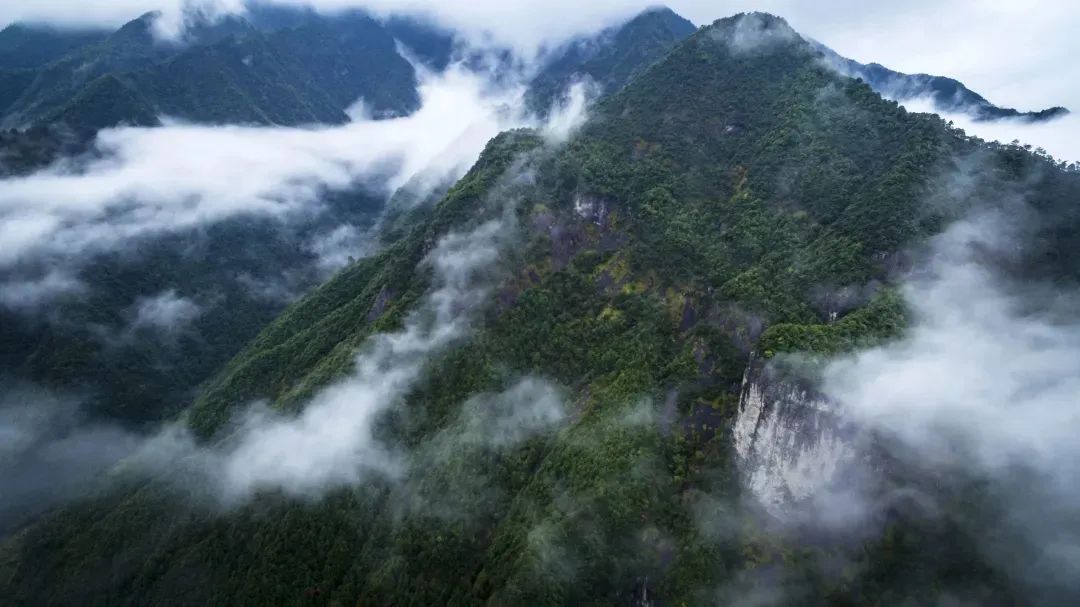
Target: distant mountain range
{"x": 946, "y": 94}
{"x": 225, "y": 71}
{"x": 289, "y": 66}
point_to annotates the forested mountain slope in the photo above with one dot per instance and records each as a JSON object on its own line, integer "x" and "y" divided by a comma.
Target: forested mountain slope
{"x": 736, "y": 186}
{"x": 228, "y": 267}
{"x": 273, "y": 65}
{"x": 28, "y": 46}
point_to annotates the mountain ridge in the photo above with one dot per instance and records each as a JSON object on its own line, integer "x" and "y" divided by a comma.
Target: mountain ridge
{"x": 946, "y": 94}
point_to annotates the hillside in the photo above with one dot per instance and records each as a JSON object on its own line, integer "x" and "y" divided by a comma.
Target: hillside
{"x": 243, "y": 271}
{"x": 28, "y": 46}
{"x": 730, "y": 193}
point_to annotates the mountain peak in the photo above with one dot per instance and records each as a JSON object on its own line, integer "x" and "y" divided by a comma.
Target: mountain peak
{"x": 754, "y": 32}
{"x": 611, "y": 57}
{"x": 665, "y": 14}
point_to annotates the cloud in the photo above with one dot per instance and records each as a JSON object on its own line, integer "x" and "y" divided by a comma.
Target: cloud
{"x": 754, "y": 34}
{"x": 165, "y": 312}
{"x": 341, "y": 245}
{"x": 177, "y": 16}
{"x": 453, "y": 474}
{"x": 334, "y": 442}
{"x": 143, "y": 183}
{"x": 29, "y": 294}
{"x": 570, "y": 111}
{"x": 982, "y": 357}
{"x": 986, "y": 385}
{"x": 48, "y": 453}
{"x": 529, "y": 406}
{"x": 331, "y": 443}
{"x": 148, "y": 180}
{"x": 525, "y": 25}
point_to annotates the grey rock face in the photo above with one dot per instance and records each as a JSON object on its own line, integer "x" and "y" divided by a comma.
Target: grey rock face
{"x": 790, "y": 441}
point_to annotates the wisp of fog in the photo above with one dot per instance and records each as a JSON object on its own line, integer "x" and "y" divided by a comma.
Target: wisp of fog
{"x": 985, "y": 385}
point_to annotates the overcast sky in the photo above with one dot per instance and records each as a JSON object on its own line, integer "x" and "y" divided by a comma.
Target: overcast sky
{"x": 1017, "y": 54}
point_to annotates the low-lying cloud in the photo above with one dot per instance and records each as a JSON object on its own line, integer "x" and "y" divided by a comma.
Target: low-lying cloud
{"x": 570, "y": 111}
{"x": 1057, "y": 137}
{"x": 166, "y": 312}
{"x": 142, "y": 183}
{"x": 332, "y": 443}
{"x": 985, "y": 386}
{"x": 27, "y": 294}
{"x": 153, "y": 179}
{"x": 48, "y": 452}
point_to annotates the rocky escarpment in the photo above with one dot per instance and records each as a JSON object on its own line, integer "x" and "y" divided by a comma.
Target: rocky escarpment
{"x": 790, "y": 440}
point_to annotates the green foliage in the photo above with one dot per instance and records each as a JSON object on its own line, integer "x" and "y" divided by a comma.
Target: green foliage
{"x": 314, "y": 341}
{"x": 883, "y": 318}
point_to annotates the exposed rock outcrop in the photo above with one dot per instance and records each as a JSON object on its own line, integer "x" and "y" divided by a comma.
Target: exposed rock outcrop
{"x": 790, "y": 441}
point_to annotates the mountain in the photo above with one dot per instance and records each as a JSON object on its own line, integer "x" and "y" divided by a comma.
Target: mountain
{"x": 720, "y": 204}
{"x": 239, "y": 273}
{"x": 276, "y": 65}
{"x": 25, "y": 46}
{"x": 946, "y": 94}
{"x": 609, "y": 59}
{"x": 71, "y": 355}
{"x": 110, "y": 343}
{"x": 220, "y": 71}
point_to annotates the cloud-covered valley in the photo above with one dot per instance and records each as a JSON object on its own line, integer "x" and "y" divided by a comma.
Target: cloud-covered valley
{"x": 145, "y": 180}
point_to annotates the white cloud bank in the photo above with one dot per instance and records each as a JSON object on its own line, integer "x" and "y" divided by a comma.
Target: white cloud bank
{"x": 1058, "y": 137}
{"x": 166, "y": 312}
{"x": 153, "y": 179}
{"x": 986, "y": 385}
{"x": 979, "y": 364}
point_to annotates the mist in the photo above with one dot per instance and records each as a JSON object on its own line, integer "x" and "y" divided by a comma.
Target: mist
{"x": 166, "y": 312}
{"x": 986, "y": 385}
{"x": 48, "y": 452}
{"x": 146, "y": 180}
{"x": 1057, "y": 137}
{"x": 171, "y": 184}
{"x": 331, "y": 443}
